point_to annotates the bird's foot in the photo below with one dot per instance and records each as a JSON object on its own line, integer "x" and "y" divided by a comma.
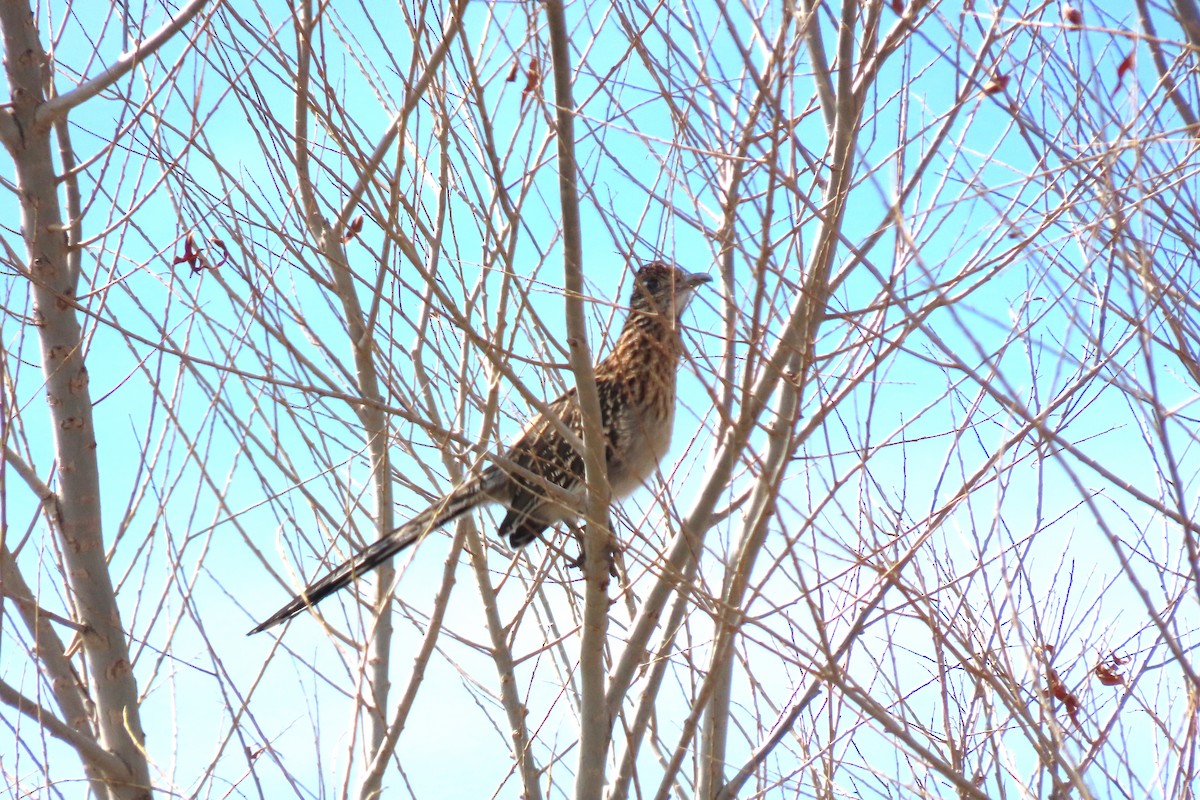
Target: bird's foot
{"x": 611, "y": 551}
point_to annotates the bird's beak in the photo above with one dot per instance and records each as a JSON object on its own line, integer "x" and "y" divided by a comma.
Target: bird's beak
{"x": 686, "y": 289}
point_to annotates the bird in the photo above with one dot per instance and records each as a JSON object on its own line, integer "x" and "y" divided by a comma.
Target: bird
{"x": 542, "y": 473}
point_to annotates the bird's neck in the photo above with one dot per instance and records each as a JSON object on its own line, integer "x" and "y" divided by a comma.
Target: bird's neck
{"x": 648, "y": 337}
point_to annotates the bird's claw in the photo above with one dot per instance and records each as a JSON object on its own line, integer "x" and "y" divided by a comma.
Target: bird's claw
{"x": 611, "y": 550}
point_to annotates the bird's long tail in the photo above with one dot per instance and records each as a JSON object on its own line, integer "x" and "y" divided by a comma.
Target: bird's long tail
{"x": 458, "y": 502}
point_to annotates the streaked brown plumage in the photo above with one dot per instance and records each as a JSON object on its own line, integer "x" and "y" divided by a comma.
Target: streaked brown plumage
{"x": 636, "y": 384}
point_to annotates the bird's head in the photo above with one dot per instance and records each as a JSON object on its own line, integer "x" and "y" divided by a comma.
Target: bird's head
{"x": 661, "y": 288}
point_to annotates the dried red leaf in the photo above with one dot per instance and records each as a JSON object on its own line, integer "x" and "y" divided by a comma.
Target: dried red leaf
{"x": 1053, "y": 685}
{"x": 353, "y": 229}
{"x": 1108, "y": 676}
{"x": 996, "y": 85}
{"x": 512, "y": 73}
{"x": 194, "y": 257}
{"x": 1072, "y": 704}
{"x": 1056, "y": 690}
{"x": 188, "y": 246}
{"x": 224, "y": 252}
{"x": 898, "y": 7}
{"x": 1072, "y": 15}
{"x": 1107, "y": 673}
{"x": 533, "y": 78}
{"x": 1125, "y": 65}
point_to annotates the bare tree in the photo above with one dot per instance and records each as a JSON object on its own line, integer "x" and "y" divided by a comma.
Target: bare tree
{"x": 927, "y": 525}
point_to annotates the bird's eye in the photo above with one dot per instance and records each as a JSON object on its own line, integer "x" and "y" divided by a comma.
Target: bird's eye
{"x": 651, "y": 284}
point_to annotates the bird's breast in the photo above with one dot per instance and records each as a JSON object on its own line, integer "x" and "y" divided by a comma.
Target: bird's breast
{"x": 644, "y": 438}
{"x": 638, "y": 400}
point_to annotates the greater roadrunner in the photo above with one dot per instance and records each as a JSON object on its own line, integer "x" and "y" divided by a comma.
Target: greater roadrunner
{"x": 636, "y": 382}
